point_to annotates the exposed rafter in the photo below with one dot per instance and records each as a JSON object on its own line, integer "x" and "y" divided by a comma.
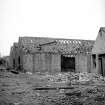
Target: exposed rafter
{"x": 61, "y": 46}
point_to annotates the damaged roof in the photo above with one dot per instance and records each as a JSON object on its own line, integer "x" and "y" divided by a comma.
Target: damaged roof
{"x": 63, "y": 46}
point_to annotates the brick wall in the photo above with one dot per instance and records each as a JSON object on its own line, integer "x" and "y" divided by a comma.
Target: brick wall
{"x": 28, "y": 62}
{"x": 46, "y": 62}
{"x": 82, "y": 63}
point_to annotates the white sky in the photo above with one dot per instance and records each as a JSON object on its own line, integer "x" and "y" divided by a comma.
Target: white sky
{"x": 73, "y": 19}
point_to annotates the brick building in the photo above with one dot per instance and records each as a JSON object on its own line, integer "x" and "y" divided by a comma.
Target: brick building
{"x": 36, "y": 54}
{"x": 98, "y": 53}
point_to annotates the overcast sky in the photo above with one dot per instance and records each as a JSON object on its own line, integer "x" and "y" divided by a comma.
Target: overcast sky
{"x": 73, "y": 19}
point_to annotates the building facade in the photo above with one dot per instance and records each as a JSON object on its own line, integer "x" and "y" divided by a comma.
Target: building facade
{"x": 98, "y": 53}
{"x": 36, "y": 54}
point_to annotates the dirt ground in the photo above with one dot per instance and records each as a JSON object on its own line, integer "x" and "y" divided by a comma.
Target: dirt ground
{"x": 19, "y": 89}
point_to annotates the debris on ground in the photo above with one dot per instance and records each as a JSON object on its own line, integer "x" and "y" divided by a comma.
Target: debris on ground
{"x": 19, "y": 89}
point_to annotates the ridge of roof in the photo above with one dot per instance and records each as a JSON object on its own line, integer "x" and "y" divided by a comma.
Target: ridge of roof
{"x": 24, "y": 37}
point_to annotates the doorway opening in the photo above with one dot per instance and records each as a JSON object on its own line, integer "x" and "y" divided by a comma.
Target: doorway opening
{"x": 67, "y": 64}
{"x": 102, "y": 64}
{"x": 14, "y": 63}
{"x": 94, "y": 61}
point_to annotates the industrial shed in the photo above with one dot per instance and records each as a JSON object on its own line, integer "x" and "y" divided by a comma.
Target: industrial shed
{"x": 38, "y": 54}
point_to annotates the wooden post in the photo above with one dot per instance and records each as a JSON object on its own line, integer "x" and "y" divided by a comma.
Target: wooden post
{"x": 97, "y": 63}
{"x": 91, "y": 64}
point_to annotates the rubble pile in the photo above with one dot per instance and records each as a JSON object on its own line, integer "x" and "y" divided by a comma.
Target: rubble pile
{"x": 91, "y": 78}
{"x": 74, "y": 78}
{"x": 19, "y": 89}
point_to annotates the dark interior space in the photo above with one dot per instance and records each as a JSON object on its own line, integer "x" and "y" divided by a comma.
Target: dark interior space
{"x": 67, "y": 64}
{"x": 94, "y": 60}
{"x": 102, "y": 64}
{"x": 19, "y": 60}
{"x": 13, "y": 63}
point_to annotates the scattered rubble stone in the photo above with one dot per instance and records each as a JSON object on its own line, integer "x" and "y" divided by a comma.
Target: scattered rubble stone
{"x": 19, "y": 89}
